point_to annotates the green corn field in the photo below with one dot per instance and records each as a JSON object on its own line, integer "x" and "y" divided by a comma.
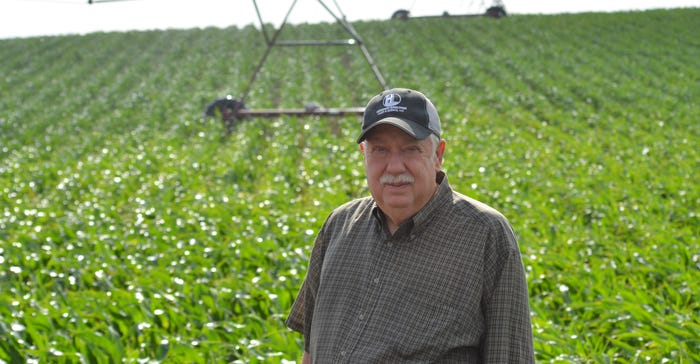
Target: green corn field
{"x": 135, "y": 230}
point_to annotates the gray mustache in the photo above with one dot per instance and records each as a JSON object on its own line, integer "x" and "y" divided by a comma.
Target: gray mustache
{"x": 396, "y": 179}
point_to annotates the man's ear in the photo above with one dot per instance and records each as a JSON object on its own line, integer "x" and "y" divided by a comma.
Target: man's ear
{"x": 362, "y": 148}
{"x": 439, "y": 153}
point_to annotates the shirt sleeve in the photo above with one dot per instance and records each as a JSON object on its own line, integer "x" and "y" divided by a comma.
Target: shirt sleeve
{"x": 302, "y": 310}
{"x": 508, "y": 336}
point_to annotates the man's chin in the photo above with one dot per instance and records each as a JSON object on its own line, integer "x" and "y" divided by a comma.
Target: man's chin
{"x": 397, "y": 202}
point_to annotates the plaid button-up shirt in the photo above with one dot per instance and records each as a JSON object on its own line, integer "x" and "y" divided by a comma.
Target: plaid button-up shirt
{"x": 447, "y": 287}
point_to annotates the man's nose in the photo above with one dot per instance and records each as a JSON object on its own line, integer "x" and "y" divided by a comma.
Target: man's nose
{"x": 395, "y": 163}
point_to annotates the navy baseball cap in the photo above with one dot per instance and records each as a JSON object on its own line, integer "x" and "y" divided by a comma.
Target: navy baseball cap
{"x": 404, "y": 108}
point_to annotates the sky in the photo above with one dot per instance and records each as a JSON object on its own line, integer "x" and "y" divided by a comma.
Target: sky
{"x": 31, "y": 18}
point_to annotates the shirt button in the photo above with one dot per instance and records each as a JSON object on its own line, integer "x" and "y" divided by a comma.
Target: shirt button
{"x": 361, "y": 317}
{"x": 342, "y": 353}
{"x": 376, "y": 280}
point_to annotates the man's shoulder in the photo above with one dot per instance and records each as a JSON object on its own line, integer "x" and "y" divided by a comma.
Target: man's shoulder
{"x": 359, "y": 205}
{"x": 479, "y": 215}
{"x": 350, "y": 215}
{"x": 469, "y": 206}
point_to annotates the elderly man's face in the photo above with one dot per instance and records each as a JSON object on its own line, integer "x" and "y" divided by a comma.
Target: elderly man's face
{"x": 400, "y": 170}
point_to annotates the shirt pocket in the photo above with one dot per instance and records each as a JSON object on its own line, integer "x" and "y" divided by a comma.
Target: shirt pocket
{"x": 428, "y": 327}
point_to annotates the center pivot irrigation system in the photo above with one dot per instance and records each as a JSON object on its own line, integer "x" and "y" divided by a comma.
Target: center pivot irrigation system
{"x": 232, "y": 109}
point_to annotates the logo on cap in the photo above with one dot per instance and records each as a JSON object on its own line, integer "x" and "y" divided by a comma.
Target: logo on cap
{"x": 391, "y": 104}
{"x": 391, "y": 100}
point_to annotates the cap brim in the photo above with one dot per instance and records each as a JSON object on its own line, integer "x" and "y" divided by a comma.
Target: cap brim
{"x": 409, "y": 127}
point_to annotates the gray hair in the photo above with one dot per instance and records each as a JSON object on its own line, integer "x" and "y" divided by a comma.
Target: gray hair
{"x": 435, "y": 140}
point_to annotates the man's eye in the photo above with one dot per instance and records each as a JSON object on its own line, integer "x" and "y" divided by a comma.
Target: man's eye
{"x": 413, "y": 149}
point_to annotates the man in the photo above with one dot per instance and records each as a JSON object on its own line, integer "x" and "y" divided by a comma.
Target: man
{"x": 416, "y": 273}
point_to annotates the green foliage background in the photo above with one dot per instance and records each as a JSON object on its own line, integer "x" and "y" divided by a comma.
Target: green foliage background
{"x": 131, "y": 230}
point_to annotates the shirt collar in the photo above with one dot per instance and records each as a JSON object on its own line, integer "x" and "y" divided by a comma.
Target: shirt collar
{"x": 442, "y": 194}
